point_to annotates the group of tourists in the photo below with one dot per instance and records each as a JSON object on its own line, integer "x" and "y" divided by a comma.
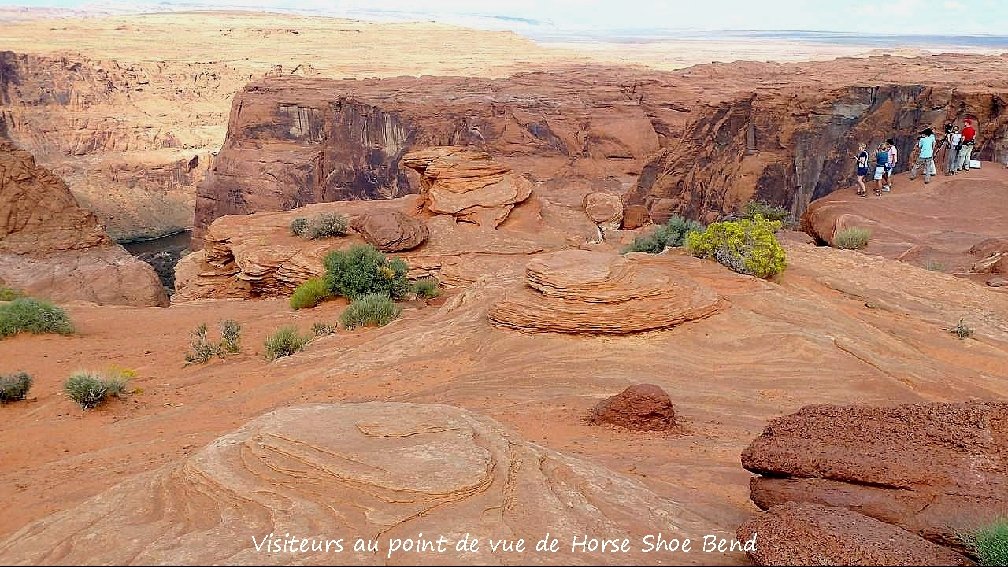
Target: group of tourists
{"x": 953, "y": 151}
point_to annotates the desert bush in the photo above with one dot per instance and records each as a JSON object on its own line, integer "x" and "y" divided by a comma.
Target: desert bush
{"x": 299, "y": 226}
{"x": 362, "y": 269}
{"x": 9, "y": 294}
{"x": 672, "y": 234}
{"x": 14, "y": 387}
{"x": 746, "y": 246}
{"x": 990, "y": 543}
{"x": 372, "y": 309}
{"x": 326, "y": 225}
{"x": 320, "y": 329}
{"x": 29, "y": 315}
{"x": 853, "y": 238}
{"x": 426, "y": 288}
{"x": 285, "y": 342}
{"x": 91, "y": 389}
{"x": 202, "y": 349}
{"x": 230, "y": 337}
{"x": 961, "y": 330}
{"x": 310, "y": 293}
{"x": 766, "y": 210}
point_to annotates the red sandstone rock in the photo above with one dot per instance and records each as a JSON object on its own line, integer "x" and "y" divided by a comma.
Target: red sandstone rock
{"x": 635, "y": 216}
{"x": 934, "y": 469}
{"x": 604, "y": 209}
{"x": 643, "y": 407}
{"x": 390, "y": 231}
{"x": 811, "y": 534}
{"x": 51, "y": 247}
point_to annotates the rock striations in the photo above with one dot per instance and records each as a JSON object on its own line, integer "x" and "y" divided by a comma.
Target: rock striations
{"x": 584, "y": 292}
{"x": 373, "y": 470}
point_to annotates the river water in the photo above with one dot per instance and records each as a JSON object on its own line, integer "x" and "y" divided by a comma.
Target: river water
{"x": 162, "y": 254}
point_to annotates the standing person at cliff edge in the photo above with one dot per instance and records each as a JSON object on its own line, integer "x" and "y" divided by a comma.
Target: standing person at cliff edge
{"x": 881, "y": 159}
{"x": 954, "y": 142}
{"x": 893, "y": 155}
{"x": 966, "y": 151}
{"x": 862, "y": 169}
{"x": 925, "y": 155}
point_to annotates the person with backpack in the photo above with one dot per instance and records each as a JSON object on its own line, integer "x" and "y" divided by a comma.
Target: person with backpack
{"x": 862, "y": 169}
{"x": 881, "y": 159}
{"x": 925, "y": 155}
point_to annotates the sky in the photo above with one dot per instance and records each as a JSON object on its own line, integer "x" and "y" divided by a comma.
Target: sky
{"x": 944, "y": 17}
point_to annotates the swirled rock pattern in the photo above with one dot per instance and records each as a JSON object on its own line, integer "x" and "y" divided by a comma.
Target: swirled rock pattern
{"x": 580, "y": 291}
{"x": 372, "y": 470}
{"x": 935, "y": 469}
{"x": 811, "y": 534}
{"x": 468, "y": 184}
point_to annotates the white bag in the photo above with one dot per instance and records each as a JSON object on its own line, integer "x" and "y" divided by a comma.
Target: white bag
{"x": 931, "y": 167}
{"x": 974, "y": 164}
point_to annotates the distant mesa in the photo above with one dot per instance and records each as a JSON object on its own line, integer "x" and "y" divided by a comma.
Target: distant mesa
{"x": 370, "y": 470}
{"x": 587, "y": 292}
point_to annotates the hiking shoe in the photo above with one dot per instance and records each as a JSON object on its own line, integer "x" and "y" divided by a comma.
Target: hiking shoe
{"x": 887, "y": 188}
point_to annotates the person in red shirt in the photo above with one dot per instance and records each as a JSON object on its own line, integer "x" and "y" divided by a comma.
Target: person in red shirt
{"x": 966, "y": 147}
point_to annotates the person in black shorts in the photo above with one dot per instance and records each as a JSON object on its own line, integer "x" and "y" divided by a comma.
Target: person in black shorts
{"x": 862, "y": 169}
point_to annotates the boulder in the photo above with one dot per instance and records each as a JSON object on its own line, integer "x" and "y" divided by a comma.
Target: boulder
{"x": 811, "y": 534}
{"x": 936, "y": 469}
{"x": 635, "y": 216}
{"x": 371, "y": 470}
{"x": 642, "y": 407}
{"x": 593, "y": 292}
{"x": 468, "y": 184}
{"x": 390, "y": 231}
{"x": 604, "y": 209}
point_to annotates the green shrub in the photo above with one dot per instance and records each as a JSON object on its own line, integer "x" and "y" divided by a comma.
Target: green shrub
{"x": 299, "y": 226}
{"x": 9, "y": 294}
{"x": 14, "y": 387}
{"x": 990, "y": 543}
{"x": 746, "y": 246}
{"x": 202, "y": 349}
{"x": 766, "y": 210}
{"x": 320, "y": 329}
{"x": 310, "y": 293}
{"x": 426, "y": 288}
{"x": 669, "y": 235}
{"x": 29, "y": 315}
{"x": 961, "y": 330}
{"x": 90, "y": 390}
{"x": 326, "y": 225}
{"x": 285, "y": 342}
{"x": 371, "y": 309}
{"x": 361, "y": 270}
{"x": 853, "y": 238}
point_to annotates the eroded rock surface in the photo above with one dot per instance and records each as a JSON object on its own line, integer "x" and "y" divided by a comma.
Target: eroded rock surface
{"x": 643, "y": 407}
{"x": 53, "y": 248}
{"x": 371, "y": 470}
{"x": 390, "y": 231}
{"x": 579, "y": 291}
{"x": 812, "y": 534}
{"x": 935, "y": 469}
{"x": 604, "y": 209}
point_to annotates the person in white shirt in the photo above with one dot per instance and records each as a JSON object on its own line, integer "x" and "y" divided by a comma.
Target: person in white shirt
{"x": 893, "y": 154}
{"x": 954, "y": 139}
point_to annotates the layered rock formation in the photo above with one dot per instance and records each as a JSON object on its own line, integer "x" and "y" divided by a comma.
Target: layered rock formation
{"x": 578, "y": 291}
{"x": 812, "y": 534}
{"x": 467, "y": 184}
{"x": 51, "y": 247}
{"x": 956, "y": 224}
{"x": 379, "y": 471}
{"x": 936, "y": 470}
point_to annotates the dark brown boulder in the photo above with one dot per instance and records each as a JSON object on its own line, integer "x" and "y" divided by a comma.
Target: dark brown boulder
{"x": 642, "y": 407}
{"x": 935, "y": 469}
{"x": 391, "y": 231}
{"x": 811, "y": 534}
{"x": 635, "y": 216}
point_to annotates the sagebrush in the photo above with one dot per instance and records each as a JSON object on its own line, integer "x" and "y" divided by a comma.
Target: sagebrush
{"x": 320, "y": 329}
{"x": 769, "y": 211}
{"x": 746, "y": 246}
{"x": 362, "y": 270}
{"x": 373, "y": 309}
{"x": 990, "y": 543}
{"x": 202, "y": 349}
{"x": 14, "y": 387}
{"x": 322, "y": 225}
{"x": 426, "y": 288}
{"x": 285, "y": 342}
{"x": 29, "y": 315}
{"x": 852, "y": 238}
{"x": 310, "y": 293}
{"x": 672, "y": 234}
{"x": 91, "y": 389}
{"x": 962, "y": 330}
{"x": 9, "y": 294}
